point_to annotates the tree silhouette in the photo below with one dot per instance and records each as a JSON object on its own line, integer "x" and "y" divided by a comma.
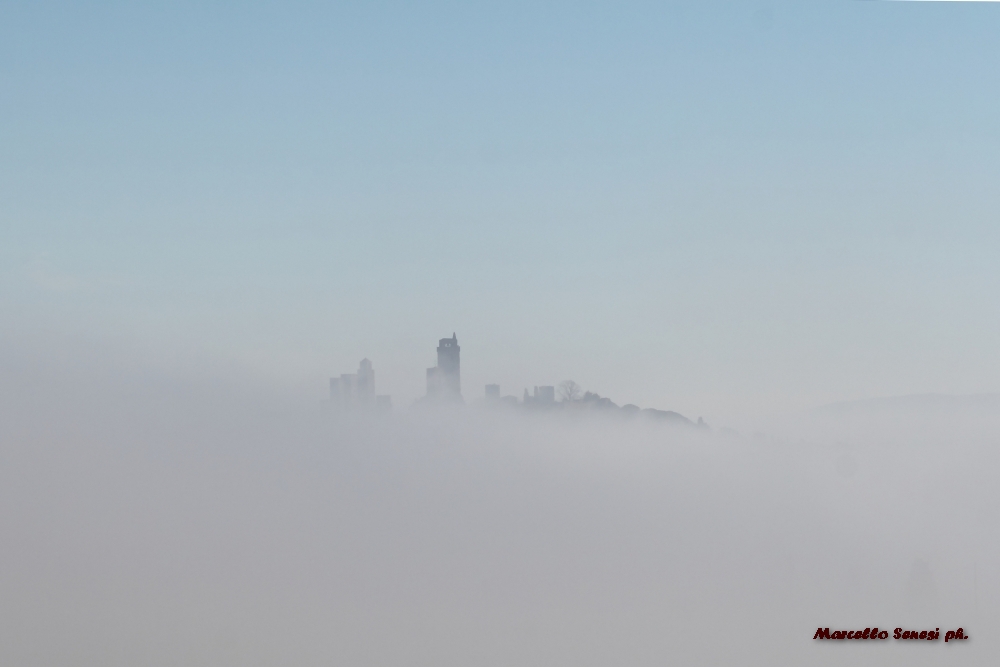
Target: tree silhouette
{"x": 570, "y": 391}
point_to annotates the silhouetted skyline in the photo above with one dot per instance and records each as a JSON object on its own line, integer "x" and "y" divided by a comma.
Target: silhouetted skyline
{"x": 356, "y": 391}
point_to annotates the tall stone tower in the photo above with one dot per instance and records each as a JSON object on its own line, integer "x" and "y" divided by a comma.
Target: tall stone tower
{"x": 445, "y": 379}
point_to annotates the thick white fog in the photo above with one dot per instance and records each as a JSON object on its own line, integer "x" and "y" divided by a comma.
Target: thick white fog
{"x": 201, "y": 517}
{"x": 744, "y": 212}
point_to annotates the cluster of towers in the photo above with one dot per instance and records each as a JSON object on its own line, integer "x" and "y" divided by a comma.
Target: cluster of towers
{"x": 444, "y": 384}
{"x": 539, "y": 398}
{"x": 357, "y": 390}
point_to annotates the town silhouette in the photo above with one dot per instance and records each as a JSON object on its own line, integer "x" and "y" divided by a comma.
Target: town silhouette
{"x": 355, "y": 392}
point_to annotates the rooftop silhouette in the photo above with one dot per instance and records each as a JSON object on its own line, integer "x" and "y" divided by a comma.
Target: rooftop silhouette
{"x": 444, "y": 381}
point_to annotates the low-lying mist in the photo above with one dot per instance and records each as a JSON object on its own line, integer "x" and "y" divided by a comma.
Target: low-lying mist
{"x": 201, "y": 518}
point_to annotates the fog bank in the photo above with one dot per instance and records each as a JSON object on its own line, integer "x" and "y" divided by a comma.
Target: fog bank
{"x": 207, "y": 518}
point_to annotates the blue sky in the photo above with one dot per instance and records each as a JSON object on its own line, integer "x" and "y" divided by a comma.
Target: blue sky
{"x": 719, "y": 208}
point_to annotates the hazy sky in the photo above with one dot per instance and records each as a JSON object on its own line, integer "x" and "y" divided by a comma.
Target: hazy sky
{"x": 716, "y": 208}
{"x": 732, "y": 210}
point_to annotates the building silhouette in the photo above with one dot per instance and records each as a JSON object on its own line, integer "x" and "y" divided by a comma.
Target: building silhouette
{"x": 541, "y": 397}
{"x": 356, "y": 391}
{"x": 344, "y": 390}
{"x": 366, "y": 381}
{"x": 444, "y": 381}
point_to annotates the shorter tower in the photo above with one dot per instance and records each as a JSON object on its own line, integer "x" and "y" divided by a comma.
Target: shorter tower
{"x": 352, "y": 391}
{"x": 542, "y": 397}
{"x": 545, "y": 395}
{"x": 344, "y": 390}
{"x": 366, "y": 382}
